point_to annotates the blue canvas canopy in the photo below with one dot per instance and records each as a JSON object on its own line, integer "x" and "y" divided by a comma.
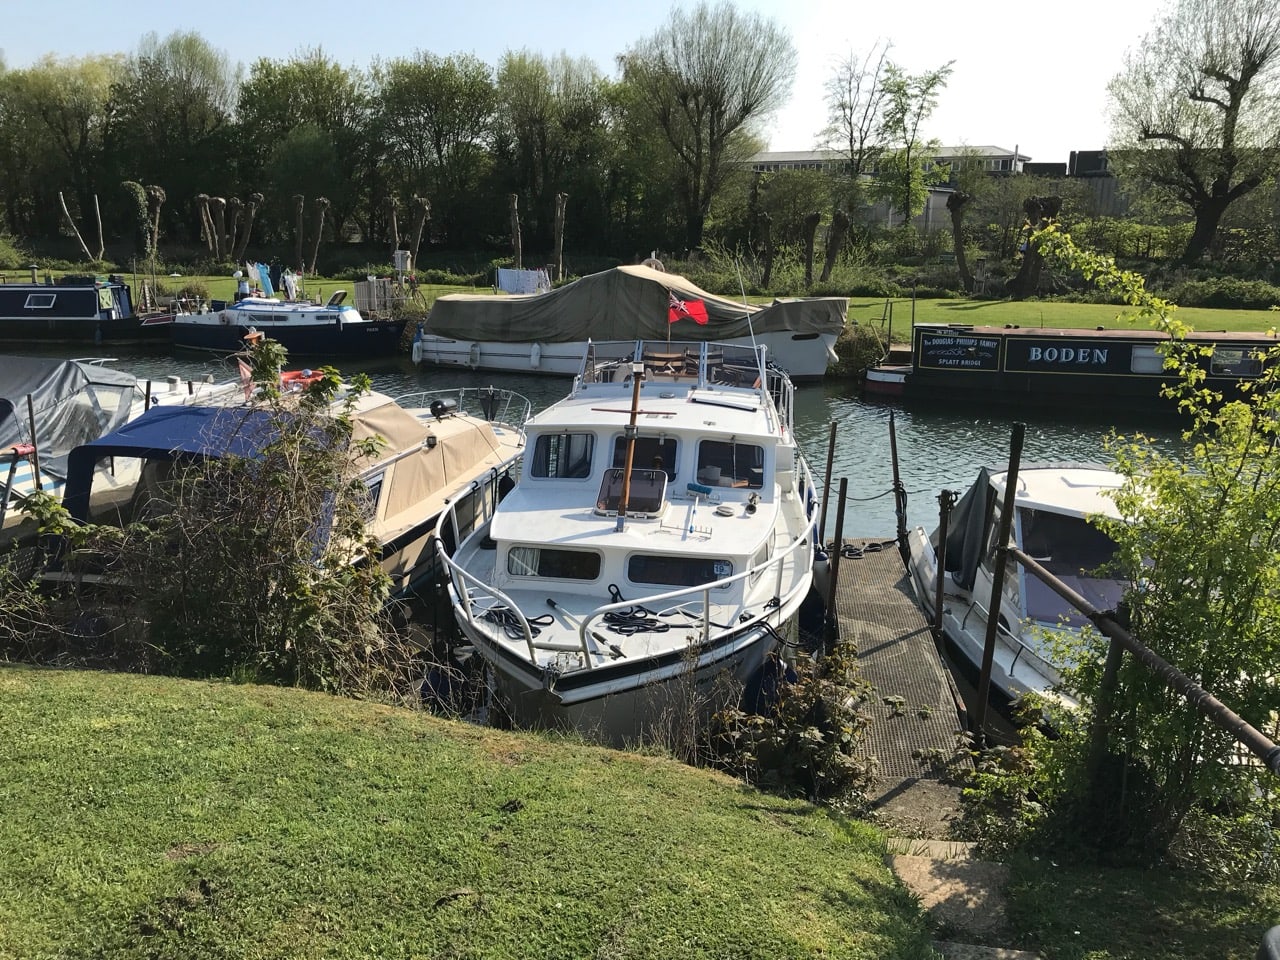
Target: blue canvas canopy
{"x": 168, "y": 433}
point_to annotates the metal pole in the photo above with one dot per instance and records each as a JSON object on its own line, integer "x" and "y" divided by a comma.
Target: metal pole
{"x": 1173, "y": 678}
{"x": 946, "y": 501}
{"x": 997, "y": 578}
{"x": 826, "y": 486}
{"x": 830, "y": 628}
{"x": 35, "y": 443}
{"x": 624, "y": 499}
{"x": 899, "y": 500}
{"x": 146, "y": 398}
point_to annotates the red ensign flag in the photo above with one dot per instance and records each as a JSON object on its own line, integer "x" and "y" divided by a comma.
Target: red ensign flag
{"x": 678, "y": 309}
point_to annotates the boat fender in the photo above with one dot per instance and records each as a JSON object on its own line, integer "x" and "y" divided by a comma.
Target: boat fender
{"x": 535, "y": 355}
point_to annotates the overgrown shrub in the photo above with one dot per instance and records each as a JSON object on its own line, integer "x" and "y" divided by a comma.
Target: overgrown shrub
{"x": 1226, "y": 293}
{"x": 253, "y": 566}
{"x": 809, "y": 743}
{"x": 12, "y": 256}
{"x": 859, "y": 346}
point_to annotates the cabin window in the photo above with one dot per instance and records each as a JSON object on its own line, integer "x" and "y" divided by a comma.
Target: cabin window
{"x": 728, "y": 463}
{"x": 1235, "y": 362}
{"x": 372, "y": 494}
{"x": 678, "y": 571}
{"x": 645, "y": 495}
{"x": 1146, "y": 359}
{"x": 328, "y": 318}
{"x": 556, "y": 564}
{"x": 563, "y": 455}
{"x": 652, "y": 453}
{"x": 41, "y": 301}
{"x": 1076, "y": 552}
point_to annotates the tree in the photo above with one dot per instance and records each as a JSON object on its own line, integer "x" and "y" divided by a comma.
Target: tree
{"x": 333, "y": 104}
{"x": 1196, "y": 109}
{"x": 704, "y": 80}
{"x": 171, "y": 113}
{"x": 906, "y": 168}
{"x": 855, "y": 96}
{"x": 433, "y": 121}
{"x": 550, "y": 135}
{"x": 1200, "y": 548}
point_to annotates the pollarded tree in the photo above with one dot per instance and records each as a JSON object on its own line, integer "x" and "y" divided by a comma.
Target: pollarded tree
{"x": 1196, "y": 109}
{"x": 706, "y": 79}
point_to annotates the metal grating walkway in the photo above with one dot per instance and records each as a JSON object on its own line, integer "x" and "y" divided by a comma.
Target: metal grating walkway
{"x": 914, "y": 712}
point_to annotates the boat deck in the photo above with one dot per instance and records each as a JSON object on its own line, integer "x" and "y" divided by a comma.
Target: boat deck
{"x": 915, "y": 705}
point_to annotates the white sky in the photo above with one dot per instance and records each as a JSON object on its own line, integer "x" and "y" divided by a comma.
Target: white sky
{"x": 1027, "y": 75}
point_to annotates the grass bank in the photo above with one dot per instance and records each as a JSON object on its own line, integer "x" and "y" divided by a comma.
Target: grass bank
{"x": 163, "y": 818}
{"x": 1034, "y": 313}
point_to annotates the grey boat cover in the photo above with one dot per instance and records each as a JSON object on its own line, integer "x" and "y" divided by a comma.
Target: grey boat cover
{"x": 74, "y": 402}
{"x": 625, "y": 303}
{"x": 967, "y": 532}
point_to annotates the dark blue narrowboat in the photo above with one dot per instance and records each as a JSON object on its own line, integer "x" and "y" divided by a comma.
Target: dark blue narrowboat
{"x": 74, "y": 309}
{"x": 1084, "y": 368}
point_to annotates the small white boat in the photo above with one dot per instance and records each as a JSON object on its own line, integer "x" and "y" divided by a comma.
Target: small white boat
{"x": 661, "y": 538}
{"x": 1051, "y": 524}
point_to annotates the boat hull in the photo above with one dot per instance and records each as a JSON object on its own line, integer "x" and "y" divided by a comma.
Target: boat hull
{"x": 24, "y": 330}
{"x": 803, "y": 355}
{"x": 627, "y": 702}
{"x": 373, "y": 338}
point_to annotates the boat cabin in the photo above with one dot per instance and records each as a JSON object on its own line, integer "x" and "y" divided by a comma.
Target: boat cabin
{"x": 709, "y": 464}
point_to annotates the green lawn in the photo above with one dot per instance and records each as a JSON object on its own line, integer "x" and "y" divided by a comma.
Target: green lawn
{"x": 150, "y": 817}
{"x": 1034, "y": 313}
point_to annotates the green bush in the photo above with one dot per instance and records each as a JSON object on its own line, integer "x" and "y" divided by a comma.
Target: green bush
{"x": 809, "y": 743}
{"x": 12, "y": 256}
{"x": 1226, "y": 293}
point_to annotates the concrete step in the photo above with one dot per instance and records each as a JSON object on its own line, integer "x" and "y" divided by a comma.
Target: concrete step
{"x": 964, "y": 897}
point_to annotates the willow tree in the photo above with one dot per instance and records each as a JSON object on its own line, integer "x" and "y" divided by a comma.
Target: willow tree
{"x": 1196, "y": 109}
{"x": 707, "y": 80}
{"x": 250, "y": 214}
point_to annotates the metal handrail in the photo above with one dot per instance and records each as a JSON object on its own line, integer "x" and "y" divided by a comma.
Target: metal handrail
{"x": 522, "y": 404}
{"x": 705, "y": 589}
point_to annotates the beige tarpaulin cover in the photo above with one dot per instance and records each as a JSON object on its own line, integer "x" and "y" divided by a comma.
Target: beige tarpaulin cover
{"x": 461, "y": 444}
{"x": 625, "y": 303}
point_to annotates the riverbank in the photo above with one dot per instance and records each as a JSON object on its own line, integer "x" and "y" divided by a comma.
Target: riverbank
{"x": 158, "y": 816}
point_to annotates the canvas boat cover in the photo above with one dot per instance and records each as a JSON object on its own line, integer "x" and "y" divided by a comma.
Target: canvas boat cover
{"x": 74, "y": 402}
{"x": 625, "y": 303}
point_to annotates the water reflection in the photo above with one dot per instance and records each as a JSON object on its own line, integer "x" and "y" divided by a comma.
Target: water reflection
{"x": 937, "y": 446}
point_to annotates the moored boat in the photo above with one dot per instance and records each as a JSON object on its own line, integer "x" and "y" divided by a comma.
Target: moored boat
{"x": 447, "y": 448}
{"x": 1050, "y": 524}
{"x": 74, "y": 309}
{"x": 660, "y": 539}
{"x": 1085, "y": 368}
{"x": 548, "y": 332}
{"x": 304, "y": 328}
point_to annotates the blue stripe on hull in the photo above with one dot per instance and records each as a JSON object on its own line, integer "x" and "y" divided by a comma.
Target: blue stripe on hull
{"x": 371, "y": 339}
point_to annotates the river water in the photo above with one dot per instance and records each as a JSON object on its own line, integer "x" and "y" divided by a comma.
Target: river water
{"x": 938, "y": 447}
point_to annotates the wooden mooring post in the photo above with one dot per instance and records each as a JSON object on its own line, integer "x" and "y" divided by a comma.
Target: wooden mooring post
{"x": 946, "y": 503}
{"x": 826, "y": 486}
{"x": 997, "y": 579}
